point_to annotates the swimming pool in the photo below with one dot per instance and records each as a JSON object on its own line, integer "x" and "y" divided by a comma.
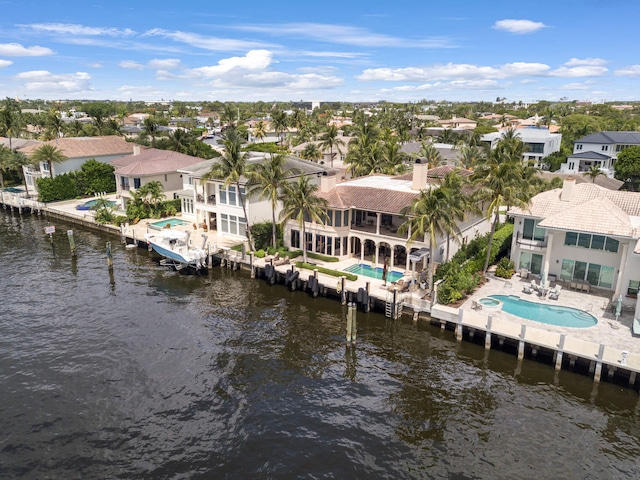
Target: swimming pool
{"x": 367, "y": 271}
{"x": 13, "y": 190}
{"x": 92, "y": 203}
{"x": 172, "y": 222}
{"x": 549, "y": 314}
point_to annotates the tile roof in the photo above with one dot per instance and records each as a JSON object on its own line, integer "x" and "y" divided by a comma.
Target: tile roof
{"x": 606, "y": 137}
{"x": 590, "y": 208}
{"x": 153, "y": 162}
{"x": 602, "y": 180}
{"x": 368, "y": 198}
{"x": 590, "y": 156}
{"x": 75, "y": 147}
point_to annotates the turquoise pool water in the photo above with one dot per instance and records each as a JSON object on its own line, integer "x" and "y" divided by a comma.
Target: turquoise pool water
{"x": 549, "y": 314}
{"x": 173, "y": 222}
{"x": 13, "y": 190}
{"x": 92, "y": 203}
{"x": 367, "y": 271}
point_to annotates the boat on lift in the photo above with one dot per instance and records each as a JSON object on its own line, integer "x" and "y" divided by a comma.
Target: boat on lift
{"x": 174, "y": 246}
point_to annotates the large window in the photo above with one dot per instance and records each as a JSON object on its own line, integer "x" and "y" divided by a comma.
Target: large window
{"x": 233, "y": 225}
{"x": 594, "y": 242}
{"x": 531, "y": 231}
{"x": 531, "y": 261}
{"x": 136, "y": 183}
{"x": 534, "y": 147}
{"x": 295, "y": 238}
{"x": 229, "y": 195}
{"x": 596, "y": 275}
{"x": 634, "y": 285}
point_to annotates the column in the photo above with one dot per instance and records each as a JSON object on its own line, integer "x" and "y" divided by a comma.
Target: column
{"x": 378, "y": 216}
{"x": 623, "y": 263}
{"x": 546, "y": 259}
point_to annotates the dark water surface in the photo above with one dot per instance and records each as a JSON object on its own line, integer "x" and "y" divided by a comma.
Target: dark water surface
{"x": 146, "y": 373}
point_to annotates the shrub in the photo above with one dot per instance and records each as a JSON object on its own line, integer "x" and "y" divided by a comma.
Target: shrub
{"x": 259, "y": 254}
{"x": 327, "y": 271}
{"x": 262, "y": 234}
{"x": 505, "y": 269}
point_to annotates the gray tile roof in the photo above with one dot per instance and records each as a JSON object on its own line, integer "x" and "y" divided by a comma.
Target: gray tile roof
{"x": 607, "y": 137}
{"x": 589, "y": 156}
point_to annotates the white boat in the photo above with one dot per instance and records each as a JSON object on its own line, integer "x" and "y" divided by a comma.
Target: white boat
{"x": 174, "y": 246}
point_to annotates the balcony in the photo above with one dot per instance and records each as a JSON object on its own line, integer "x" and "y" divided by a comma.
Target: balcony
{"x": 531, "y": 243}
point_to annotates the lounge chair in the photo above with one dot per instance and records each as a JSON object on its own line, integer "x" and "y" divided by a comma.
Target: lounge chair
{"x": 475, "y": 305}
{"x": 555, "y": 293}
{"x": 635, "y": 330}
{"x": 527, "y": 288}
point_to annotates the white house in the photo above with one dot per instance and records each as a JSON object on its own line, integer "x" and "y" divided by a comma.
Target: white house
{"x": 148, "y": 165}
{"x": 77, "y": 150}
{"x": 599, "y": 149}
{"x": 582, "y": 234}
{"x": 538, "y": 143}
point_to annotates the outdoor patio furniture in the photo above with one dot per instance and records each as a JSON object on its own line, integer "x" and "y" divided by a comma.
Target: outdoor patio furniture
{"x": 476, "y": 306}
{"x": 555, "y": 293}
{"x": 635, "y": 330}
{"x": 527, "y": 288}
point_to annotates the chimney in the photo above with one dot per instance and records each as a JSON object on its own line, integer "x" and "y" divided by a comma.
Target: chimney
{"x": 327, "y": 182}
{"x": 420, "y": 169}
{"x": 567, "y": 189}
{"x": 136, "y": 149}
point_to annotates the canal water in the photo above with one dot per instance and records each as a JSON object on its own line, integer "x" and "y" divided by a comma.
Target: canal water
{"x": 146, "y": 373}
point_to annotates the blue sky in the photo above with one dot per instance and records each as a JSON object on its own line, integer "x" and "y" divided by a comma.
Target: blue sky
{"x": 324, "y": 50}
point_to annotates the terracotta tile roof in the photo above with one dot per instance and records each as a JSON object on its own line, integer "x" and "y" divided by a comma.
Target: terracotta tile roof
{"x": 153, "y": 162}
{"x": 75, "y": 147}
{"x": 591, "y": 208}
{"x": 368, "y": 198}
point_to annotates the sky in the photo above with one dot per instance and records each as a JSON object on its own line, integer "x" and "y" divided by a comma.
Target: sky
{"x": 349, "y": 50}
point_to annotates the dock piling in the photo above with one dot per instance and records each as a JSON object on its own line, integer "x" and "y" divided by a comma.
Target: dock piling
{"x": 72, "y": 243}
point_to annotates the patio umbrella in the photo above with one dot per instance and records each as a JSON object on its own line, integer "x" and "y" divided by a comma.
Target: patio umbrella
{"x": 618, "y": 307}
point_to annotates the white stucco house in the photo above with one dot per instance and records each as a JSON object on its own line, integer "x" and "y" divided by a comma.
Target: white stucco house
{"x": 582, "y": 234}
{"x": 599, "y": 149}
{"x": 538, "y": 143}
{"x": 77, "y": 150}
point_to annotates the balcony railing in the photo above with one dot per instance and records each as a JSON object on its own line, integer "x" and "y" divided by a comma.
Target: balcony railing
{"x": 531, "y": 243}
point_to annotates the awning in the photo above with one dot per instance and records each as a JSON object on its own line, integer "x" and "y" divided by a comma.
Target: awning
{"x": 419, "y": 254}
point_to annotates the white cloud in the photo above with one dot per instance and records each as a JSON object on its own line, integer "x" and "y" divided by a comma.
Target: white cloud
{"x": 130, "y": 65}
{"x": 582, "y": 71}
{"x": 520, "y": 69}
{"x": 575, "y": 86}
{"x": 96, "y": 65}
{"x": 630, "y": 71}
{"x": 47, "y": 82}
{"x": 5, "y": 63}
{"x": 206, "y": 43}
{"x": 17, "y": 50}
{"x": 253, "y": 60}
{"x": 344, "y": 34}
{"x": 518, "y": 26}
{"x": 164, "y": 63}
{"x": 75, "y": 29}
{"x": 578, "y": 62}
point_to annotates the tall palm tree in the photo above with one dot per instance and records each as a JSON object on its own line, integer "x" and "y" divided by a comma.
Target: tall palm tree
{"x": 231, "y": 168}
{"x": 311, "y": 152}
{"x": 150, "y": 127}
{"x": 279, "y": 122}
{"x": 470, "y": 156}
{"x": 229, "y": 115}
{"x": 55, "y": 125}
{"x": 300, "y": 201}
{"x": 500, "y": 183}
{"x": 266, "y": 180}
{"x": 432, "y": 214}
{"x": 180, "y": 141}
{"x": 260, "y": 131}
{"x": 593, "y": 173}
{"x": 48, "y": 154}
{"x": 431, "y": 154}
{"x": 10, "y": 120}
{"x": 331, "y": 139}
{"x": 152, "y": 194}
{"x": 364, "y": 150}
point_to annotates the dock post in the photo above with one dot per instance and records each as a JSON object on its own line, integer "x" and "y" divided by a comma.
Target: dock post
{"x": 632, "y": 378}
{"x": 109, "y": 256}
{"x": 598, "y": 372}
{"x": 367, "y": 305}
{"x": 559, "y": 353}
{"x": 487, "y": 337}
{"x": 72, "y": 243}
{"x": 349, "y": 323}
{"x": 343, "y": 293}
{"x": 394, "y": 309}
{"x": 253, "y": 269}
{"x": 315, "y": 288}
{"x": 523, "y": 332}
{"x": 354, "y": 322}
{"x": 459, "y": 325}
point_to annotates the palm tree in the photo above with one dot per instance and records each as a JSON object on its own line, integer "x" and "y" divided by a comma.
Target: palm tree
{"x": 48, "y": 154}
{"x": 331, "y": 139}
{"x": 500, "y": 182}
{"x": 229, "y": 115}
{"x": 179, "y": 141}
{"x": 18, "y": 161}
{"x": 364, "y": 150}
{"x": 299, "y": 202}
{"x": 152, "y": 194}
{"x": 266, "y": 180}
{"x": 279, "y": 122}
{"x": 54, "y": 124}
{"x": 311, "y": 152}
{"x": 593, "y": 173}
{"x": 10, "y": 120}
{"x": 260, "y": 131}
{"x": 6, "y": 164}
{"x": 150, "y": 127}
{"x": 432, "y": 214}
{"x": 231, "y": 167}
{"x": 431, "y": 154}
{"x": 470, "y": 156}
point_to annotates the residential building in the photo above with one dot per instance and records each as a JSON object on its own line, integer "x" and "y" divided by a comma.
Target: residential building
{"x": 364, "y": 215}
{"x": 581, "y": 234}
{"x": 77, "y": 150}
{"x": 458, "y": 122}
{"x": 538, "y": 143}
{"x": 219, "y": 207}
{"x": 148, "y": 165}
{"x": 599, "y": 149}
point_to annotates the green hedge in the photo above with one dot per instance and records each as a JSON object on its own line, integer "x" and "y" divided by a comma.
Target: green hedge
{"x": 327, "y": 271}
